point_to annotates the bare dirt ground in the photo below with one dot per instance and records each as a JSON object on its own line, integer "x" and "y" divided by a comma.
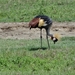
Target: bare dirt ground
{"x": 21, "y": 30}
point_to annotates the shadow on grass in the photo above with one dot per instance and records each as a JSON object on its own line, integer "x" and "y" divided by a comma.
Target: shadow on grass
{"x": 38, "y": 48}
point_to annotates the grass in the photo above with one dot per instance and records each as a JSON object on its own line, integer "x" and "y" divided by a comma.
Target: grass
{"x": 25, "y": 10}
{"x": 24, "y": 57}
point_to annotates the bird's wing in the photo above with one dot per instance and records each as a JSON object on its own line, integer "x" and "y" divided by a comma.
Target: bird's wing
{"x": 34, "y": 22}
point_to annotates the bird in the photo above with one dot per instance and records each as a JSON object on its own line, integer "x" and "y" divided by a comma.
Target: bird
{"x": 43, "y": 21}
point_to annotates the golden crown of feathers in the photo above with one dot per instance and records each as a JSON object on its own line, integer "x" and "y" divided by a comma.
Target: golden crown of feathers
{"x": 56, "y": 35}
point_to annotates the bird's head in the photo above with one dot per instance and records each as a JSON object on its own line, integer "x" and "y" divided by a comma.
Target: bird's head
{"x": 55, "y": 38}
{"x": 41, "y": 22}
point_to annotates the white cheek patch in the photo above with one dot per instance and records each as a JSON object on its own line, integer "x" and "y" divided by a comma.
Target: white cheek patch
{"x": 54, "y": 39}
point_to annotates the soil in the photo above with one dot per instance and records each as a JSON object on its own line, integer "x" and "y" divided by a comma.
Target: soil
{"x": 21, "y": 30}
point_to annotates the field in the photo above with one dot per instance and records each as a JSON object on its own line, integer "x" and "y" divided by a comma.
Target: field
{"x": 24, "y": 57}
{"x": 20, "y": 52}
{"x": 25, "y": 10}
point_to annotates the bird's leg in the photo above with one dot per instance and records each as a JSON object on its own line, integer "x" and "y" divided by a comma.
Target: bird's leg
{"x": 47, "y": 41}
{"x": 41, "y": 37}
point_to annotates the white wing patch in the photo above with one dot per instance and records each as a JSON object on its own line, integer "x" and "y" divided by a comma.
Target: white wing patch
{"x": 42, "y": 23}
{"x": 45, "y": 24}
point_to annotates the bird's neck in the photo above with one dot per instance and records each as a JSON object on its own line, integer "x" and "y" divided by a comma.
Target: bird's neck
{"x": 48, "y": 33}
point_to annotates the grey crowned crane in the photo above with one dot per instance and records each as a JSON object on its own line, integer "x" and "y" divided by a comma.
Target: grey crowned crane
{"x": 43, "y": 21}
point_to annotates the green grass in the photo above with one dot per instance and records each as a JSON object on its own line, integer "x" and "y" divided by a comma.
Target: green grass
{"x": 24, "y": 57}
{"x": 25, "y": 10}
